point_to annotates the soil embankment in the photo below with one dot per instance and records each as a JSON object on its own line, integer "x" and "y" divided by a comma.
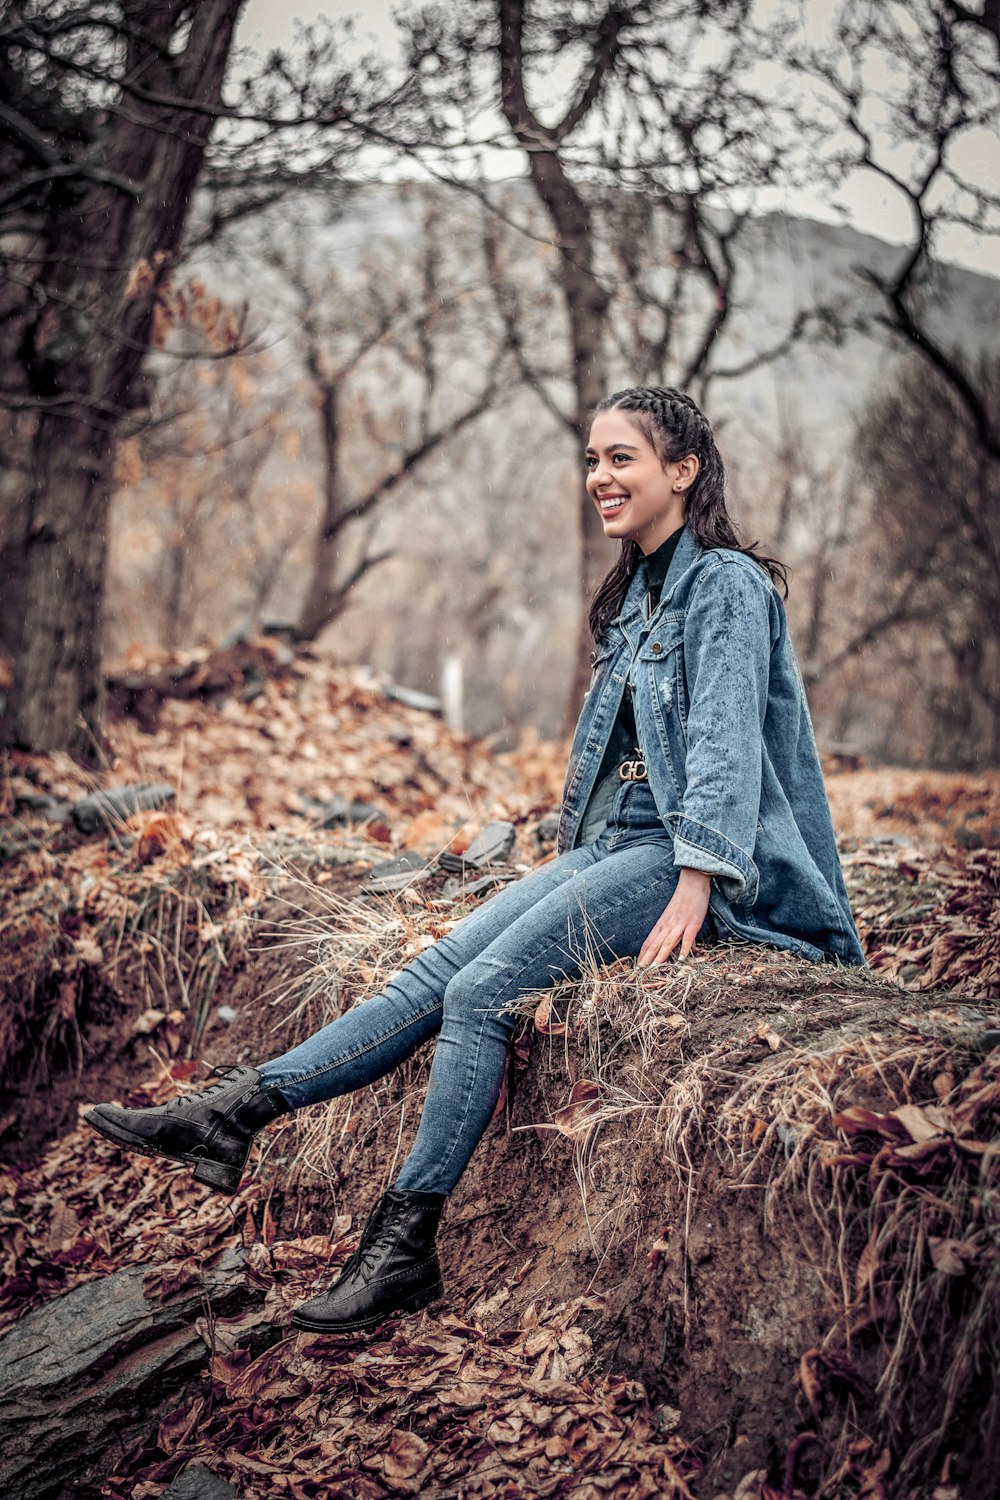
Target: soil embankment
{"x": 735, "y": 1218}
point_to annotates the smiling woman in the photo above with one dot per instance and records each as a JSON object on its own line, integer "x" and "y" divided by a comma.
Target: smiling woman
{"x": 694, "y": 810}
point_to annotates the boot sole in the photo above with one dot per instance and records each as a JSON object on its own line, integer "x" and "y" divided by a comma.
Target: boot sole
{"x": 212, "y": 1174}
{"x": 411, "y": 1304}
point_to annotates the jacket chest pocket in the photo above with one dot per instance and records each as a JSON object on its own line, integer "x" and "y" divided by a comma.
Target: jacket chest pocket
{"x": 600, "y": 661}
{"x": 662, "y": 656}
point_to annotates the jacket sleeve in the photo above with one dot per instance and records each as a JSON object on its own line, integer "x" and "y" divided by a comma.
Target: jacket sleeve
{"x": 727, "y": 653}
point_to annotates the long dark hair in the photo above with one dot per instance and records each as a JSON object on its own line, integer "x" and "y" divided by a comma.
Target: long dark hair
{"x": 675, "y": 427}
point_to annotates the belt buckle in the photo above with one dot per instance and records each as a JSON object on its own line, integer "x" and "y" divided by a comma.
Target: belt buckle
{"x": 633, "y": 769}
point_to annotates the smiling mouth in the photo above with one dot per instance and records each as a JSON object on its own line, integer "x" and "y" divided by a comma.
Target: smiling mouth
{"x": 610, "y": 503}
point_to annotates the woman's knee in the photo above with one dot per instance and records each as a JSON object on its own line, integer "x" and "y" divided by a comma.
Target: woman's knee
{"x": 478, "y": 991}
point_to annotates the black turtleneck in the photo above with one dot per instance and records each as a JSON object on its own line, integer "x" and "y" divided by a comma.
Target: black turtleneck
{"x": 657, "y": 564}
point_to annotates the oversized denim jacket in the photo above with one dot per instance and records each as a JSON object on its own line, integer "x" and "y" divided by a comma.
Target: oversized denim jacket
{"x": 724, "y": 726}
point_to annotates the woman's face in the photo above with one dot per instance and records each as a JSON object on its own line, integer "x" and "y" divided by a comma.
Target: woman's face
{"x": 636, "y": 496}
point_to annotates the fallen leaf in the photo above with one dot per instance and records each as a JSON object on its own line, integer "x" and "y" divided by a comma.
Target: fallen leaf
{"x": 407, "y": 1455}
{"x": 578, "y": 1113}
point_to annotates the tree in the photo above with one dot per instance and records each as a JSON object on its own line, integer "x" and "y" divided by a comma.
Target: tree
{"x": 912, "y": 95}
{"x": 935, "y": 542}
{"x": 203, "y": 526}
{"x": 661, "y": 107}
{"x": 386, "y": 345}
{"x": 107, "y": 123}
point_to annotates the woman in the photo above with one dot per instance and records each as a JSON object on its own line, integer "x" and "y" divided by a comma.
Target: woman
{"x": 694, "y": 806}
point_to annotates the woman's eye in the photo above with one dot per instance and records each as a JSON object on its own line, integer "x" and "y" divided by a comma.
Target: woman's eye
{"x": 622, "y": 457}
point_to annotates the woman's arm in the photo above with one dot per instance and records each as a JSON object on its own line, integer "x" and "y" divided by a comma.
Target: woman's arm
{"x": 728, "y": 637}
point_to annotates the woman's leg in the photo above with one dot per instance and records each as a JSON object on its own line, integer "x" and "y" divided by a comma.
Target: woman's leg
{"x": 373, "y": 1037}
{"x": 213, "y": 1128}
{"x": 602, "y": 912}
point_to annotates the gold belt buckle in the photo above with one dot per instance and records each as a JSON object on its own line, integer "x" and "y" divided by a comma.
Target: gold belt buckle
{"x": 634, "y": 769}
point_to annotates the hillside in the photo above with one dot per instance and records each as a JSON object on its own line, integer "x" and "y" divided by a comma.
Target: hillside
{"x": 732, "y": 1231}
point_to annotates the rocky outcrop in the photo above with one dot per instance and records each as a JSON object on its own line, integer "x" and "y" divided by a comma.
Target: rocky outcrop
{"x": 98, "y": 1364}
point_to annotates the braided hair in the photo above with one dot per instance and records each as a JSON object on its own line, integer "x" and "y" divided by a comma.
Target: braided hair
{"x": 674, "y": 426}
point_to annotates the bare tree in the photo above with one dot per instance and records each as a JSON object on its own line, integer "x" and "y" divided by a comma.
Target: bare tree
{"x": 624, "y": 125}
{"x": 110, "y": 113}
{"x": 931, "y": 553}
{"x": 913, "y": 95}
{"x": 380, "y": 348}
{"x": 193, "y": 486}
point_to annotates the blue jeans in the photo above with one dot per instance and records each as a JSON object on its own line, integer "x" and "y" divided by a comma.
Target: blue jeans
{"x": 589, "y": 906}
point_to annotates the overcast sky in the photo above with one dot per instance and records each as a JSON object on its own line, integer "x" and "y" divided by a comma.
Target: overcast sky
{"x": 872, "y": 207}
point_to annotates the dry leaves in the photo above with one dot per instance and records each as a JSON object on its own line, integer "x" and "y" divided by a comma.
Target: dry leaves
{"x": 429, "y": 1407}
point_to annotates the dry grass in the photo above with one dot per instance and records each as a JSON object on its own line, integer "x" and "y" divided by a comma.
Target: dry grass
{"x": 737, "y": 1071}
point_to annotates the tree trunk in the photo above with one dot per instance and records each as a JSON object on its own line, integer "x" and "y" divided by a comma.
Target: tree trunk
{"x": 323, "y": 600}
{"x": 587, "y": 307}
{"x": 585, "y": 296}
{"x": 85, "y": 372}
{"x": 58, "y": 692}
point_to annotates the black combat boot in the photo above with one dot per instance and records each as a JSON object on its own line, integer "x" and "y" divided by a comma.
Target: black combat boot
{"x": 394, "y": 1269}
{"x": 210, "y": 1129}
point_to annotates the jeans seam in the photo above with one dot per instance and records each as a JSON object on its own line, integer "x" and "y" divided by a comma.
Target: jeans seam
{"x": 369, "y": 1046}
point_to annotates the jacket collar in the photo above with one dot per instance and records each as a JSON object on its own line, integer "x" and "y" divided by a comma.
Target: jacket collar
{"x": 688, "y": 549}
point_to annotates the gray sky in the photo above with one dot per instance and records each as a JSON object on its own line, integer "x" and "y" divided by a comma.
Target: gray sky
{"x": 871, "y": 206}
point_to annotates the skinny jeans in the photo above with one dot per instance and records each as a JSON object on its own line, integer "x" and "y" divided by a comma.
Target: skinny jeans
{"x": 587, "y": 907}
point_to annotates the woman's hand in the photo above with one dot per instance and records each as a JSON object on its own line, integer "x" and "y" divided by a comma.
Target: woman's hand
{"x": 681, "y": 920}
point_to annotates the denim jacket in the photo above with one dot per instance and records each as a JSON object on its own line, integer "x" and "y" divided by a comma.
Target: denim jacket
{"x": 724, "y": 727}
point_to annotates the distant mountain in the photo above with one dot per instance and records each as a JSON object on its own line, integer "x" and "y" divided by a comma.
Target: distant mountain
{"x": 790, "y": 265}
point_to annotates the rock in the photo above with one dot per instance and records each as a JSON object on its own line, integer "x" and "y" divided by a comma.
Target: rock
{"x": 456, "y": 888}
{"x": 99, "y": 1364}
{"x": 53, "y": 809}
{"x": 33, "y": 802}
{"x": 968, "y": 838}
{"x": 281, "y": 850}
{"x": 12, "y": 847}
{"x": 546, "y": 832}
{"x": 411, "y": 698}
{"x": 116, "y": 804}
{"x": 340, "y": 810}
{"x": 227, "y": 1014}
{"x": 492, "y": 847}
{"x": 199, "y": 1483}
{"x": 394, "y": 874}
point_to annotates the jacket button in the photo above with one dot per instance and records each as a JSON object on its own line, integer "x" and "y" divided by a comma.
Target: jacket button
{"x": 657, "y": 648}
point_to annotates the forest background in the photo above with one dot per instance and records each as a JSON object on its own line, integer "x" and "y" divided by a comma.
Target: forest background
{"x": 307, "y": 337}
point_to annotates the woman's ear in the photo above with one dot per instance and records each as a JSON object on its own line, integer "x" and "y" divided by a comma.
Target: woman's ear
{"x": 687, "y": 473}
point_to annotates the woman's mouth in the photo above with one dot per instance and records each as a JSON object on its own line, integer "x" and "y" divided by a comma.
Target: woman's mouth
{"x": 611, "y": 503}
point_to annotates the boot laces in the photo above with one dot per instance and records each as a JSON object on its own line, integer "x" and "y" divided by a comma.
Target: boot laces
{"x": 365, "y": 1256}
{"x": 223, "y": 1071}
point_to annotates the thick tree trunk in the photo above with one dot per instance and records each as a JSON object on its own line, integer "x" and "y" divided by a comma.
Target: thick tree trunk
{"x": 85, "y": 370}
{"x": 58, "y": 685}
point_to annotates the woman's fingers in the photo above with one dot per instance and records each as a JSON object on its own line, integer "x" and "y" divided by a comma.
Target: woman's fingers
{"x": 662, "y": 942}
{"x": 680, "y": 921}
{"x": 664, "y": 939}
